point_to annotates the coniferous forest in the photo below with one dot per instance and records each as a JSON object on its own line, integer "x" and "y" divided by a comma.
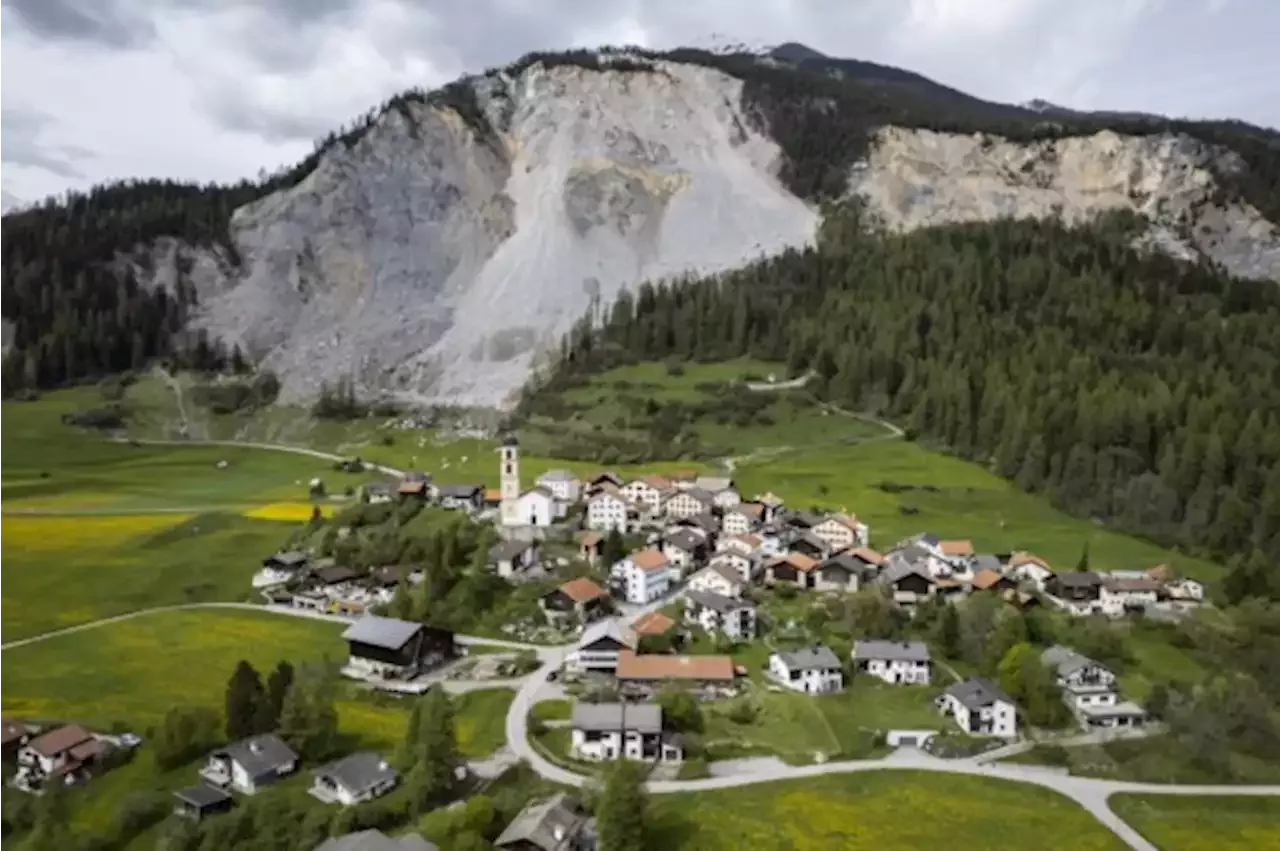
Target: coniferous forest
{"x": 1124, "y": 386}
{"x": 77, "y": 312}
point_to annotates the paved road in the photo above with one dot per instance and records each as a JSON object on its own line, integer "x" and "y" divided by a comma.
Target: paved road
{"x": 277, "y": 447}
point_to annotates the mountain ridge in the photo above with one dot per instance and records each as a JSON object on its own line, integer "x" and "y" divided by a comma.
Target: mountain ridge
{"x": 339, "y": 293}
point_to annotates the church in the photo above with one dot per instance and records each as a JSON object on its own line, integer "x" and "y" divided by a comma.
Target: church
{"x": 534, "y": 507}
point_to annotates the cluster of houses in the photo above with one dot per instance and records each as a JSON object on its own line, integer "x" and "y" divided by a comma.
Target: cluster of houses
{"x": 67, "y": 754}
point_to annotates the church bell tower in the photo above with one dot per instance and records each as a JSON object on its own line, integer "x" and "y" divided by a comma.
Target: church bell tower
{"x": 509, "y": 455}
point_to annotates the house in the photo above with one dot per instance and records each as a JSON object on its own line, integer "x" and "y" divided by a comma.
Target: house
{"x": 357, "y": 777}
{"x": 652, "y": 623}
{"x": 958, "y": 553}
{"x": 746, "y": 544}
{"x": 600, "y": 645}
{"x": 622, "y": 731}
{"x": 813, "y": 670}
{"x": 374, "y": 493}
{"x": 986, "y": 561}
{"x": 562, "y": 484}
{"x": 684, "y": 548}
{"x": 609, "y": 510}
{"x": 744, "y": 566}
{"x": 733, "y": 618}
{"x": 841, "y": 531}
{"x": 376, "y": 840}
{"x": 557, "y": 823}
{"x": 578, "y": 598}
{"x": 1089, "y": 690}
{"x": 807, "y": 544}
{"x": 719, "y": 579}
{"x": 647, "y": 491}
{"x": 290, "y": 562}
{"x": 895, "y": 662}
{"x": 842, "y": 572}
{"x": 414, "y": 486}
{"x": 538, "y": 507}
{"x": 992, "y": 580}
{"x": 196, "y": 802}
{"x": 742, "y": 518}
{"x": 646, "y": 576}
{"x": 248, "y": 765}
{"x": 980, "y": 708}
{"x": 1078, "y": 591}
{"x": 923, "y": 551}
{"x": 393, "y": 649}
{"x": 715, "y": 484}
{"x": 705, "y": 525}
{"x": 16, "y": 735}
{"x": 687, "y": 503}
{"x": 594, "y": 484}
{"x": 65, "y": 753}
{"x": 512, "y": 557}
{"x": 492, "y": 498}
{"x": 654, "y": 669}
{"x": 591, "y": 547}
{"x": 773, "y": 506}
{"x": 461, "y": 497}
{"x": 792, "y": 567}
{"x": 1119, "y": 595}
{"x": 1031, "y": 569}
{"x": 335, "y": 575}
{"x": 907, "y": 584}
{"x": 1185, "y": 590}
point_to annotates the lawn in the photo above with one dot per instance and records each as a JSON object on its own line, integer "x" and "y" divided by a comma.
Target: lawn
{"x": 880, "y": 811}
{"x": 108, "y": 565}
{"x": 965, "y": 502}
{"x": 1183, "y": 823}
{"x": 480, "y": 719}
{"x": 552, "y": 710}
{"x": 664, "y": 385}
{"x": 1154, "y": 759}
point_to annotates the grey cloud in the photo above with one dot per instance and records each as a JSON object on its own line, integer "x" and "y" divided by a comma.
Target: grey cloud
{"x": 23, "y": 129}
{"x": 232, "y": 110}
{"x": 111, "y": 23}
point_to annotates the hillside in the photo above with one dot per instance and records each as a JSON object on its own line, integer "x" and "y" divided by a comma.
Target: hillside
{"x": 438, "y": 248}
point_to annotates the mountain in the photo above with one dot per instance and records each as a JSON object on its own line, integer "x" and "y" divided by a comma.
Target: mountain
{"x": 438, "y": 249}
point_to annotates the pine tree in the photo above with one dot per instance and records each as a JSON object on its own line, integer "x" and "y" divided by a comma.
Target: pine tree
{"x": 948, "y": 632}
{"x": 243, "y": 695}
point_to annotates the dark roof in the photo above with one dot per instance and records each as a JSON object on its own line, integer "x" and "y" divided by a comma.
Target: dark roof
{"x": 929, "y": 539}
{"x": 611, "y": 717}
{"x": 848, "y": 562}
{"x": 59, "y": 739}
{"x": 510, "y": 440}
{"x": 389, "y": 633}
{"x": 986, "y": 562}
{"x": 1079, "y": 579}
{"x": 977, "y": 692}
{"x": 359, "y": 772}
{"x": 553, "y": 824}
{"x": 809, "y": 658}
{"x": 897, "y": 571}
{"x": 202, "y": 795}
{"x": 14, "y": 729}
{"x": 291, "y": 558}
{"x": 894, "y": 651}
{"x": 685, "y": 540}
{"x": 260, "y": 755}
{"x": 459, "y": 491}
{"x": 716, "y": 602}
{"x": 506, "y": 550}
{"x": 334, "y": 575}
{"x": 376, "y": 840}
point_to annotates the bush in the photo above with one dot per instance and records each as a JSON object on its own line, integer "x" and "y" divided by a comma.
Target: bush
{"x": 140, "y": 811}
{"x": 105, "y": 418}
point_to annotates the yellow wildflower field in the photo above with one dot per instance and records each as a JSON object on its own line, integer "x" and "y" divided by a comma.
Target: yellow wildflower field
{"x": 296, "y": 512}
{"x": 1184, "y": 823}
{"x": 36, "y": 534}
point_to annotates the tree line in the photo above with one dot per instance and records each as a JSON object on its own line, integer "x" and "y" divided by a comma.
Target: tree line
{"x": 1124, "y": 386}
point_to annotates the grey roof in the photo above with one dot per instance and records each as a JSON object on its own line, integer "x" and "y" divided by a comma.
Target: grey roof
{"x": 1079, "y": 579}
{"x": 459, "y": 491}
{"x": 713, "y": 484}
{"x": 291, "y": 558}
{"x": 716, "y": 602}
{"x": 977, "y": 692}
{"x": 359, "y": 772}
{"x": 929, "y": 539}
{"x": 610, "y": 717}
{"x": 378, "y": 487}
{"x": 685, "y": 540}
{"x": 556, "y": 476}
{"x": 202, "y": 795}
{"x": 376, "y": 840}
{"x": 846, "y": 561}
{"x": 911, "y": 553}
{"x": 894, "y": 651}
{"x": 539, "y": 823}
{"x": 382, "y": 632}
{"x": 728, "y": 574}
{"x": 987, "y": 562}
{"x": 1064, "y": 660}
{"x": 898, "y": 570}
{"x": 260, "y": 755}
{"x": 809, "y": 659}
{"x": 608, "y": 628}
{"x": 505, "y": 550}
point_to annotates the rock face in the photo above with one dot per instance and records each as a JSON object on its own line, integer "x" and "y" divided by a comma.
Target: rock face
{"x": 917, "y": 178}
{"x": 427, "y": 261}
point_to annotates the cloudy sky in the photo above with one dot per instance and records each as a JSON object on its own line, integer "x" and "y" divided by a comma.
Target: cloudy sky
{"x": 94, "y": 90}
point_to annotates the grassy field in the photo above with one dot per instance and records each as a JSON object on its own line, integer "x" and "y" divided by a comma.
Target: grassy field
{"x": 968, "y": 503}
{"x": 552, "y": 710}
{"x": 881, "y": 811}
{"x": 1149, "y": 760}
{"x": 1180, "y": 823}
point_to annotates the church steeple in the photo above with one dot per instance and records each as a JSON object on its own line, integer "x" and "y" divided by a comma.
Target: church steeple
{"x": 509, "y": 476}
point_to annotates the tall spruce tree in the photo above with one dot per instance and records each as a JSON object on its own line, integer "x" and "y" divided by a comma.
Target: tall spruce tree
{"x": 244, "y": 694}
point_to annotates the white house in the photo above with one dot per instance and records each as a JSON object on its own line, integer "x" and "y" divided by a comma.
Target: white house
{"x": 1185, "y": 590}
{"x": 923, "y": 551}
{"x": 683, "y": 547}
{"x": 603, "y": 731}
{"x": 248, "y": 765}
{"x": 744, "y": 566}
{"x": 1030, "y": 569}
{"x": 719, "y": 578}
{"x": 1089, "y": 690}
{"x": 646, "y": 576}
{"x": 895, "y": 662}
{"x": 686, "y": 503}
{"x": 747, "y": 544}
{"x": 733, "y": 618}
{"x": 563, "y": 485}
{"x": 742, "y": 518}
{"x": 1122, "y": 594}
{"x": 813, "y": 670}
{"x": 841, "y": 531}
{"x": 62, "y": 753}
{"x": 538, "y": 507}
{"x": 647, "y": 491}
{"x": 608, "y": 510}
{"x": 980, "y": 708}
{"x": 354, "y": 779}
{"x": 599, "y": 646}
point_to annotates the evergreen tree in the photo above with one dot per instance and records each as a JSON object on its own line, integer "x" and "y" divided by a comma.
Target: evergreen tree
{"x": 947, "y": 632}
{"x": 278, "y": 684}
{"x": 1083, "y": 563}
{"x": 243, "y": 695}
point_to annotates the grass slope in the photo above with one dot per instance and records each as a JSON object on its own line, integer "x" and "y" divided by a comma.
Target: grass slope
{"x": 881, "y": 811}
{"x": 1180, "y": 823}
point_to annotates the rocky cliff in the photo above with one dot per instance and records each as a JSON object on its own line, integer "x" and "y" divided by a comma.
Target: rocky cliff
{"x": 436, "y": 258}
